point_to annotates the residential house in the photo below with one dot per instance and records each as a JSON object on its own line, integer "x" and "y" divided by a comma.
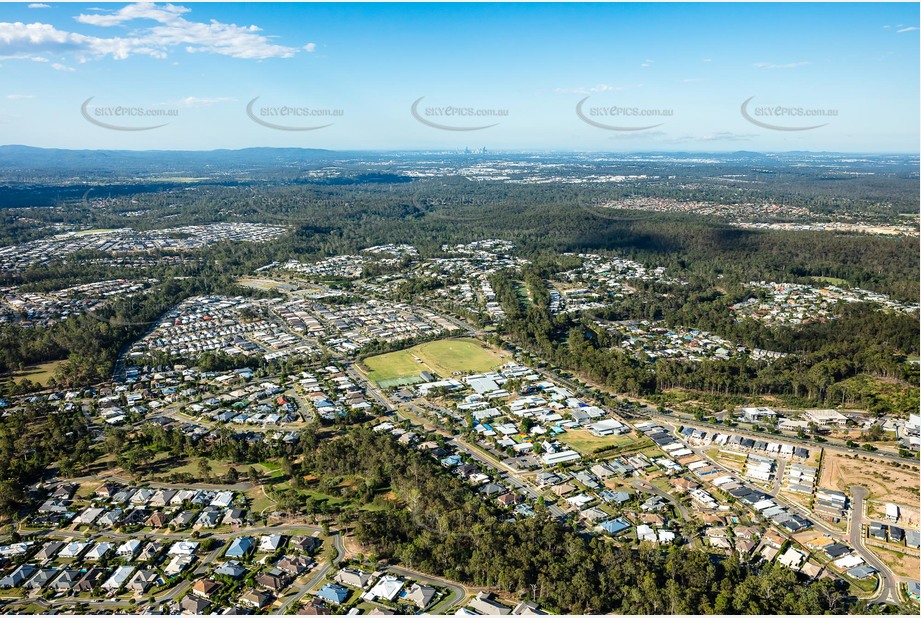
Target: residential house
{"x": 90, "y": 580}
{"x": 293, "y": 565}
{"x": 527, "y": 608}
{"x": 387, "y": 587}
{"x": 614, "y": 526}
{"x": 66, "y": 580}
{"x": 142, "y": 496}
{"x": 353, "y": 577}
{"x": 177, "y": 565}
{"x": 158, "y": 520}
{"x": 208, "y": 518}
{"x": 305, "y": 544}
{"x": 484, "y": 604}
{"x": 118, "y": 578}
{"x": 193, "y": 606}
{"x": 204, "y": 588}
{"x": 183, "y": 548}
{"x": 316, "y": 607}
{"x": 222, "y": 499}
{"x": 88, "y": 516}
{"x": 239, "y": 547}
{"x": 182, "y": 520}
{"x": 420, "y": 595}
{"x": 74, "y": 549}
{"x": 99, "y": 551}
{"x": 255, "y": 599}
{"x": 41, "y": 578}
{"x": 136, "y": 517}
{"x": 162, "y": 497}
{"x": 151, "y": 551}
{"x": 109, "y": 518}
{"x": 792, "y": 558}
{"x": 878, "y": 530}
{"x": 107, "y": 491}
{"x": 509, "y": 499}
{"x": 231, "y": 569}
{"x": 331, "y": 593}
{"x": 274, "y": 579}
{"x": 270, "y": 543}
{"x": 48, "y": 550}
{"x": 129, "y": 548}
{"x": 142, "y": 580}
{"x": 234, "y": 517}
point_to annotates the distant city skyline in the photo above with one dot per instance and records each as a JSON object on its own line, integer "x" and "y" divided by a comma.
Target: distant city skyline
{"x": 840, "y": 77}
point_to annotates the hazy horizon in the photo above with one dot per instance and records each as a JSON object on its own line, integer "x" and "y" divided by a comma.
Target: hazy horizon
{"x": 498, "y": 151}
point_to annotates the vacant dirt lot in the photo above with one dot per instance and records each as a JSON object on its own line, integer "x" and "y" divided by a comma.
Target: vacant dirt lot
{"x": 903, "y": 565}
{"x": 876, "y": 509}
{"x": 885, "y": 481}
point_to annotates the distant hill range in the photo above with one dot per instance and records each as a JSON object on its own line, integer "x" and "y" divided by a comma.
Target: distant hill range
{"x": 28, "y": 157}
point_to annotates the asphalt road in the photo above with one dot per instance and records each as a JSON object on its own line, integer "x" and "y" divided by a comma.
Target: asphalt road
{"x": 648, "y": 410}
{"x": 888, "y": 591}
{"x": 316, "y": 578}
{"x": 457, "y": 595}
{"x": 763, "y": 435}
{"x": 506, "y": 473}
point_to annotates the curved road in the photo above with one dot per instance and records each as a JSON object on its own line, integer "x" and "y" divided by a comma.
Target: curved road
{"x": 888, "y": 589}
{"x": 317, "y": 577}
{"x": 458, "y": 592}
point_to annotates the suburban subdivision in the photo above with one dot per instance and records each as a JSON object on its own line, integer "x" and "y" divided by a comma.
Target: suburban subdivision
{"x": 426, "y": 418}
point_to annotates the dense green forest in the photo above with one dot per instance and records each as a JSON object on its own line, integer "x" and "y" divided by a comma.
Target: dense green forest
{"x": 333, "y": 219}
{"x": 34, "y": 440}
{"x": 820, "y": 356}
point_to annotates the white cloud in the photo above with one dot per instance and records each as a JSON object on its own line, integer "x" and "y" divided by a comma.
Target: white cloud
{"x": 647, "y": 63}
{"x": 771, "y": 65}
{"x": 57, "y": 66}
{"x": 310, "y": 47}
{"x": 717, "y": 136}
{"x": 24, "y": 56}
{"x": 909, "y": 29}
{"x": 175, "y": 31}
{"x": 39, "y": 5}
{"x": 653, "y": 136}
{"x": 16, "y": 97}
{"x": 167, "y": 13}
{"x": 204, "y": 101}
{"x": 169, "y": 31}
{"x": 24, "y": 41}
{"x": 726, "y": 136}
{"x": 594, "y": 89}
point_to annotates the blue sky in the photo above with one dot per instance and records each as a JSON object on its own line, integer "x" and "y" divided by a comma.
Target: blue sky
{"x": 523, "y": 68}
